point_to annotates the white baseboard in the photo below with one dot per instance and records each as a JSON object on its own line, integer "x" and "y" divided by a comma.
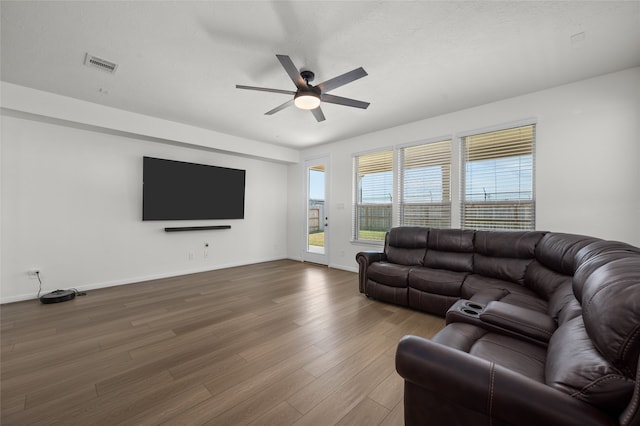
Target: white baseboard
{"x": 344, "y": 268}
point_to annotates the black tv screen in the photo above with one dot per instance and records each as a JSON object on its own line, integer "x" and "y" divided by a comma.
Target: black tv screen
{"x": 175, "y": 190}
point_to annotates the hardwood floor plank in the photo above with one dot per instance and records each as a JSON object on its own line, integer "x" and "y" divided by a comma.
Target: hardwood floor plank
{"x": 389, "y": 392}
{"x": 367, "y": 412}
{"x": 396, "y": 416}
{"x": 275, "y": 343}
{"x": 164, "y": 405}
{"x": 281, "y": 414}
{"x": 310, "y": 396}
{"x": 347, "y": 396}
{"x": 41, "y": 385}
{"x": 230, "y": 393}
{"x": 254, "y": 407}
{"x": 13, "y": 405}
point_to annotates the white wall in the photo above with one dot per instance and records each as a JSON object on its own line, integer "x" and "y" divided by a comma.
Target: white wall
{"x": 76, "y": 112}
{"x": 587, "y": 161}
{"x": 71, "y": 197}
{"x": 72, "y": 205}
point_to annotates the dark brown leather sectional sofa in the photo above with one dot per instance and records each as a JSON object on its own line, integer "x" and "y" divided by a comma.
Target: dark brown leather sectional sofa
{"x": 542, "y": 328}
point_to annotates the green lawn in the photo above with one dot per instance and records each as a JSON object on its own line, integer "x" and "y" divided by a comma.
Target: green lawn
{"x": 317, "y": 239}
{"x": 372, "y": 235}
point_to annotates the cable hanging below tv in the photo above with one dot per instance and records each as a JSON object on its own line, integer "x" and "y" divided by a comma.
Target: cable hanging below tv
{"x": 196, "y": 228}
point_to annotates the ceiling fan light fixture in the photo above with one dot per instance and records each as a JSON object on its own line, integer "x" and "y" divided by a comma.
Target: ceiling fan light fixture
{"x": 307, "y": 100}
{"x": 310, "y": 97}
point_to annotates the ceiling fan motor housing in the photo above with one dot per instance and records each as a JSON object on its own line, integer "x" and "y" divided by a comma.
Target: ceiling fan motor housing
{"x": 307, "y": 76}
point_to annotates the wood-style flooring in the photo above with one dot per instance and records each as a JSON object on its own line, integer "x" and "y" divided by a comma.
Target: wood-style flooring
{"x": 276, "y": 343}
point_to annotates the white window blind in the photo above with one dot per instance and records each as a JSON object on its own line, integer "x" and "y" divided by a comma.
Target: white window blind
{"x": 374, "y": 195}
{"x": 498, "y": 169}
{"x": 425, "y": 184}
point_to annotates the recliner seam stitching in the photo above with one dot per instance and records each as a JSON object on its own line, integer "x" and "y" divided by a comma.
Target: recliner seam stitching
{"x": 597, "y": 382}
{"x": 491, "y": 386}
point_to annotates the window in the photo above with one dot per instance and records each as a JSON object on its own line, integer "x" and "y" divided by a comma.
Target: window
{"x": 498, "y": 172}
{"x": 424, "y": 184}
{"x": 374, "y": 195}
{"x": 478, "y": 180}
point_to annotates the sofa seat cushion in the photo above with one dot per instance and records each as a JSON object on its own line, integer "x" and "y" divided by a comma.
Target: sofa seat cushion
{"x": 515, "y": 354}
{"x": 438, "y": 281}
{"x": 575, "y": 366}
{"x": 430, "y": 302}
{"x": 386, "y": 293}
{"x": 482, "y": 289}
{"x": 389, "y": 274}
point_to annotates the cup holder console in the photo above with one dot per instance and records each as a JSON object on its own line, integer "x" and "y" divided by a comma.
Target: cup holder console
{"x": 465, "y": 311}
{"x": 471, "y": 308}
{"x": 475, "y": 306}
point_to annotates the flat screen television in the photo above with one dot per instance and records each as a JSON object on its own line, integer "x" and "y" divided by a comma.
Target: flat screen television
{"x": 175, "y": 190}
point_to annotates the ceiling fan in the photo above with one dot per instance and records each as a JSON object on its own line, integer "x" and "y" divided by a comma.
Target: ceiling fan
{"x": 308, "y": 96}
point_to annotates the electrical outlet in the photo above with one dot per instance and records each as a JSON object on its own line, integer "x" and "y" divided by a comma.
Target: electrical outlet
{"x": 33, "y": 273}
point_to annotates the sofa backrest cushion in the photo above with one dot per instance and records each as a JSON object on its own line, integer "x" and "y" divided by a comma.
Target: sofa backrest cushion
{"x": 557, "y": 251}
{"x": 406, "y": 245}
{"x": 504, "y": 255}
{"x": 555, "y": 288}
{"x": 550, "y": 275}
{"x": 544, "y": 281}
{"x": 596, "y": 254}
{"x": 610, "y": 299}
{"x": 603, "y": 247}
{"x": 450, "y": 249}
{"x": 574, "y": 366}
{"x": 515, "y": 244}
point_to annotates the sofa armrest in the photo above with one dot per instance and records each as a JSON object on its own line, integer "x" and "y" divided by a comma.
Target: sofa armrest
{"x": 527, "y": 322}
{"x": 364, "y": 259}
{"x": 448, "y": 386}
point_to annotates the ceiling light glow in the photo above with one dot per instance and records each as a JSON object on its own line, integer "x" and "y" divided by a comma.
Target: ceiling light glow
{"x": 307, "y": 100}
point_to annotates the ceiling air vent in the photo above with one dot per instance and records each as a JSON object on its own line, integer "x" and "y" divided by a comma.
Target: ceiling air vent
{"x": 101, "y": 64}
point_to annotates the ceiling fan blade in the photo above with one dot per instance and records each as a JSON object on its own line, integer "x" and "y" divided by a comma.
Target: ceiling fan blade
{"x": 280, "y": 108}
{"x": 264, "y": 89}
{"x": 292, "y": 70}
{"x": 341, "y": 80}
{"x": 339, "y": 100}
{"x": 318, "y": 114}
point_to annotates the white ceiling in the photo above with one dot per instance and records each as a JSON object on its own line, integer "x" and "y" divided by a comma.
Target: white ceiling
{"x": 181, "y": 60}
